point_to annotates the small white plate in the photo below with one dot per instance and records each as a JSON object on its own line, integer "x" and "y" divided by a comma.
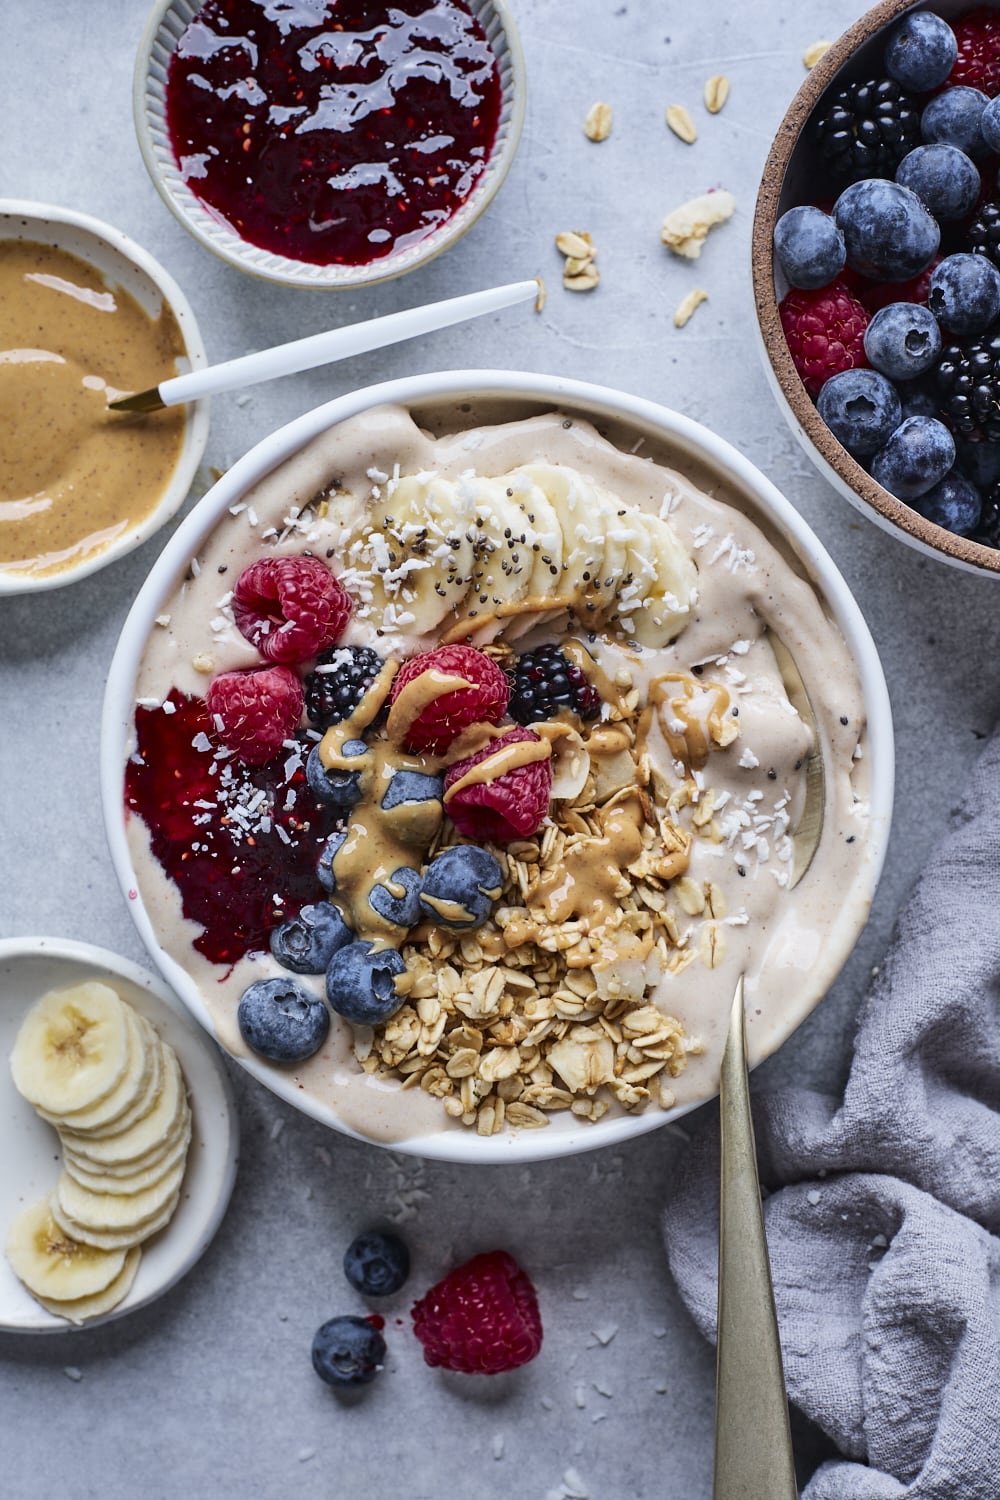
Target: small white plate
{"x": 29, "y": 1162}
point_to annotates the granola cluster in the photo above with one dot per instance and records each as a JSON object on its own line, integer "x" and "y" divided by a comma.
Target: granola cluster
{"x": 539, "y": 1011}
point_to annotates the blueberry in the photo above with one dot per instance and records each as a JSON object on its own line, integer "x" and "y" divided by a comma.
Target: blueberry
{"x": 861, "y": 409}
{"x": 918, "y": 454}
{"x": 956, "y": 117}
{"x": 282, "y": 1020}
{"x": 889, "y": 234}
{"x": 461, "y": 885}
{"x": 376, "y": 1264}
{"x": 921, "y": 52}
{"x": 809, "y": 247}
{"x": 324, "y": 870}
{"x": 412, "y": 786}
{"x": 902, "y": 341}
{"x": 979, "y": 462}
{"x": 944, "y": 179}
{"x": 306, "y": 943}
{"x": 347, "y": 1351}
{"x": 402, "y": 905}
{"x": 954, "y": 503}
{"x": 335, "y": 788}
{"x": 361, "y": 983}
{"x": 989, "y": 124}
{"x": 965, "y": 293}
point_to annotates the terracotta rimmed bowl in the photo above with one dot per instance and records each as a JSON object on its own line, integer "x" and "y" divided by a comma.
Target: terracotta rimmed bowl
{"x": 120, "y": 263}
{"x": 449, "y": 402}
{"x": 788, "y": 179}
{"x": 163, "y": 30}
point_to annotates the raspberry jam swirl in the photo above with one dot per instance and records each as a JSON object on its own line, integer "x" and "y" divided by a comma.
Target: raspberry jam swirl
{"x": 333, "y": 131}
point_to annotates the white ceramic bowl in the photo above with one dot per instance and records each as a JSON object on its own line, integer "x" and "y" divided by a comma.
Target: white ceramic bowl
{"x": 163, "y": 29}
{"x": 29, "y": 1163}
{"x": 445, "y": 401}
{"x": 121, "y": 263}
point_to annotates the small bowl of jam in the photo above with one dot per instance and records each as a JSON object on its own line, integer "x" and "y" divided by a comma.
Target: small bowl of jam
{"x": 86, "y": 316}
{"x": 334, "y": 143}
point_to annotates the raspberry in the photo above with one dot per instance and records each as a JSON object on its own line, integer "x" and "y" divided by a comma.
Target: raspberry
{"x": 825, "y": 333}
{"x": 290, "y": 608}
{"x": 255, "y": 711}
{"x": 874, "y": 298}
{"x": 978, "y": 63}
{"x": 443, "y": 719}
{"x": 544, "y": 681}
{"x": 481, "y": 1318}
{"x": 512, "y": 806}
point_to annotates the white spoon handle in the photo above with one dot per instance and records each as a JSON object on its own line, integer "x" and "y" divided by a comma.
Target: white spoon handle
{"x": 341, "y": 343}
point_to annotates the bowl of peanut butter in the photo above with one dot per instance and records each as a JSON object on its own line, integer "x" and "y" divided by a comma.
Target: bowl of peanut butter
{"x": 453, "y": 769}
{"x": 86, "y": 316}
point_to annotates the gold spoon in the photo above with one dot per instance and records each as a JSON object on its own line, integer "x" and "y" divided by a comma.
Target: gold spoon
{"x": 753, "y": 1441}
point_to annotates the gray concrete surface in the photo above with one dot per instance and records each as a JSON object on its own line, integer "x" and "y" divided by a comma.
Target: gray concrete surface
{"x": 210, "y": 1393}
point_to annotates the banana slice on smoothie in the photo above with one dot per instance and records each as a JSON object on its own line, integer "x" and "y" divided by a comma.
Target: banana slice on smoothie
{"x": 81, "y": 1309}
{"x": 52, "y": 1264}
{"x": 667, "y": 583}
{"x": 73, "y": 1048}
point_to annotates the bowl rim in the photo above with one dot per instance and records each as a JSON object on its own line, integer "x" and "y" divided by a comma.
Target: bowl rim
{"x": 829, "y": 456}
{"x": 215, "y": 1191}
{"x": 283, "y": 270}
{"x": 196, "y": 426}
{"x": 593, "y": 402}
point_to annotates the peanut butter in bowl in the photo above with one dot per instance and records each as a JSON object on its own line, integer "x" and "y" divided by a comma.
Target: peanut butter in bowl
{"x": 552, "y": 807}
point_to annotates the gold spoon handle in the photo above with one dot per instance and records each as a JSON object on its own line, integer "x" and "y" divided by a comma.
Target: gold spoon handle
{"x": 753, "y": 1443}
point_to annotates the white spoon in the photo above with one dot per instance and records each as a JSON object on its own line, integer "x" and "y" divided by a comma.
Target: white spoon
{"x": 325, "y": 348}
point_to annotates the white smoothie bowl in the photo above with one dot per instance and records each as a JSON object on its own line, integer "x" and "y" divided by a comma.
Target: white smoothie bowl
{"x": 449, "y": 402}
{"x": 29, "y": 967}
{"x": 121, "y": 263}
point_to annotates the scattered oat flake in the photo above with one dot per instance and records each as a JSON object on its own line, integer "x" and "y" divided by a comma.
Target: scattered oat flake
{"x": 814, "y": 52}
{"x": 680, "y": 122}
{"x": 686, "y": 228}
{"x": 540, "y": 299}
{"x": 575, "y": 242}
{"x": 583, "y": 281}
{"x": 685, "y": 308}
{"x": 716, "y": 92}
{"x": 72, "y": 1372}
{"x": 597, "y": 125}
{"x": 546, "y": 1403}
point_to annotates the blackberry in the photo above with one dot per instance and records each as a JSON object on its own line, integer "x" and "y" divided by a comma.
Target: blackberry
{"x": 545, "y": 681}
{"x": 983, "y": 235}
{"x": 338, "y": 683}
{"x": 867, "y": 129}
{"x": 988, "y": 530}
{"x": 967, "y": 382}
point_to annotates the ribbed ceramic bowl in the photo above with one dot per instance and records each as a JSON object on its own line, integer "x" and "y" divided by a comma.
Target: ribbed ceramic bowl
{"x": 788, "y": 179}
{"x": 121, "y": 263}
{"x": 445, "y": 403}
{"x": 164, "y": 28}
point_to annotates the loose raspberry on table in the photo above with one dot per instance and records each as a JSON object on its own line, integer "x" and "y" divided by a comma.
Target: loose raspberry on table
{"x": 442, "y": 720}
{"x": 825, "y": 333}
{"x": 255, "y": 711}
{"x": 481, "y": 1318}
{"x": 512, "y": 806}
{"x": 875, "y": 296}
{"x": 290, "y": 608}
{"x": 978, "y": 63}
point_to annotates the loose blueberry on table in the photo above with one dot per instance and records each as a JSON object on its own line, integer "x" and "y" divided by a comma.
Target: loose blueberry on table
{"x": 892, "y": 316}
{"x": 376, "y": 1263}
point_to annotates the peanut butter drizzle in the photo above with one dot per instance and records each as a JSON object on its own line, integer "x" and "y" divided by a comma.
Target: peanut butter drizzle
{"x": 691, "y": 745}
{"x": 542, "y": 604}
{"x": 507, "y": 758}
{"x": 587, "y": 885}
{"x": 417, "y": 695}
{"x": 578, "y": 654}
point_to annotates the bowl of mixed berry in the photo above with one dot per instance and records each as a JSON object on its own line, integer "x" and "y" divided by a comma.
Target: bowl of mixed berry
{"x": 877, "y": 274}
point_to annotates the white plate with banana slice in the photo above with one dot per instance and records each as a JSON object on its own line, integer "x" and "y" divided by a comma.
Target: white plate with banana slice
{"x": 120, "y": 1151}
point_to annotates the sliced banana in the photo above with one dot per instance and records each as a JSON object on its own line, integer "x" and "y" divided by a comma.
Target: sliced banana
{"x": 110, "y": 1109}
{"x": 144, "y": 1103}
{"x": 54, "y": 1265}
{"x": 80, "y": 1155}
{"x": 120, "y": 1239}
{"x": 114, "y": 1212}
{"x": 139, "y": 1180}
{"x": 668, "y": 594}
{"x": 143, "y": 1135}
{"x": 81, "y": 1308}
{"x": 72, "y": 1049}
{"x": 584, "y": 512}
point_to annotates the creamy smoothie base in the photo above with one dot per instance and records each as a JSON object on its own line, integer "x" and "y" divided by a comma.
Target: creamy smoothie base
{"x": 694, "y": 779}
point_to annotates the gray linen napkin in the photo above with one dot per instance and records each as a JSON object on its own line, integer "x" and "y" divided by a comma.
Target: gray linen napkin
{"x": 883, "y": 1209}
